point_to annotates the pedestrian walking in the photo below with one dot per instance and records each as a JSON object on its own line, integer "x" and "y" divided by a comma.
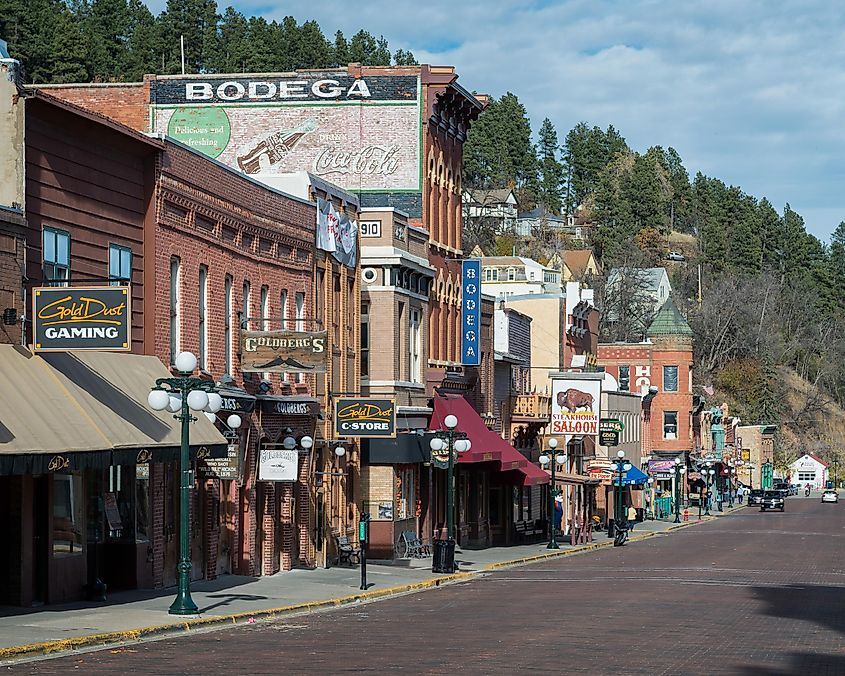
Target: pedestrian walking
{"x": 740, "y": 491}
{"x": 632, "y": 517}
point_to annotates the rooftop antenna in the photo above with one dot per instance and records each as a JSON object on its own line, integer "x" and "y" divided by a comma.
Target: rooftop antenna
{"x": 182, "y": 47}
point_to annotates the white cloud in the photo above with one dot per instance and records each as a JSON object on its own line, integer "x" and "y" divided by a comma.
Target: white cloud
{"x": 749, "y": 92}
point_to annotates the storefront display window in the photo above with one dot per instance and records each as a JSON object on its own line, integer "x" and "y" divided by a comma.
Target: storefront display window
{"x": 406, "y": 493}
{"x": 68, "y": 514}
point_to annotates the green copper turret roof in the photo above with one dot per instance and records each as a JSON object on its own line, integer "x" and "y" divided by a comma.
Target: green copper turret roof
{"x": 669, "y": 322}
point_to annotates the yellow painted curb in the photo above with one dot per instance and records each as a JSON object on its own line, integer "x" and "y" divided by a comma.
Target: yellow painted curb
{"x": 116, "y": 637}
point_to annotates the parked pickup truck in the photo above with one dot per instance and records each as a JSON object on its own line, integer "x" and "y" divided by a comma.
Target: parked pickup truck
{"x": 772, "y": 500}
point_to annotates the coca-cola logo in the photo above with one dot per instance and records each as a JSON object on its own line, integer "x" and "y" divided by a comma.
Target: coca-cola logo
{"x": 371, "y": 160}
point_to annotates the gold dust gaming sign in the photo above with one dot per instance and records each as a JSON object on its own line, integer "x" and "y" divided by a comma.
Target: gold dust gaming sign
{"x": 365, "y": 417}
{"x": 81, "y": 318}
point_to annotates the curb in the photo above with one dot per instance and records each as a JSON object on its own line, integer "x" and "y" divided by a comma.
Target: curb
{"x": 47, "y": 648}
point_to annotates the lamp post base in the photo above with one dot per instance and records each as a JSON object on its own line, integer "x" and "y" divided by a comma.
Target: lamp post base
{"x": 183, "y": 604}
{"x": 553, "y": 544}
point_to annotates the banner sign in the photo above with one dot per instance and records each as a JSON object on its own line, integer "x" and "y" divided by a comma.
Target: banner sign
{"x": 310, "y": 407}
{"x": 362, "y": 134}
{"x": 471, "y": 312}
{"x": 365, "y": 417}
{"x": 661, "y": 466}
{"x": 278, "y": 464}
{"x": 228, "y": 468}
{"x": 69, "y": 318}
{"x": 236, "y": 403}
{"x": 575, "y": 406}
{"x": 283, "y": 351}
{"x": 608, "y": 438}
{"x": 611, "y": 425}
{"x": 336, "y": 233}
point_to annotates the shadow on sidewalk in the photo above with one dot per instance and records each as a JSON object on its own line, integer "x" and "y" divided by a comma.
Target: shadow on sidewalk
{"x": 123, "y": 597}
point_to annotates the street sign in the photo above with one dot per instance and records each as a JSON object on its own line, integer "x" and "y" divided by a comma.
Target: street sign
{"x": 608, "y": 438}
{"x": 611, "y": 425}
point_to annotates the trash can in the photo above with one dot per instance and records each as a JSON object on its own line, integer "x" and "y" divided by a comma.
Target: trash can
{"x": 640, "y": 514}
{"x": 443, "y": 559}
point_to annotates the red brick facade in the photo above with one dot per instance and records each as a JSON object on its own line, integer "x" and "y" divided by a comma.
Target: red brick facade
{"x": 646, "y": 362}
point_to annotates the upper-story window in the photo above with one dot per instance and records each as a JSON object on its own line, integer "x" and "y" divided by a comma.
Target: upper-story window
{"x": 56, "y": 252}
{"x": 120, "y": 265}
{"x": 415, "y": 346}
{"x": 511, "y": 274}
{"x": 624, "y": 378}
{"x": 247, "y": 290}
{"x": 227, "y": 321}
{"x": 175, "y": 308}
{"x": 202, "y": 357}
{"x": 670, "y": 378}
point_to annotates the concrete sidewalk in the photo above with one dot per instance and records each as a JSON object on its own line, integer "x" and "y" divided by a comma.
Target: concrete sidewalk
{"x": 135, "y": 615}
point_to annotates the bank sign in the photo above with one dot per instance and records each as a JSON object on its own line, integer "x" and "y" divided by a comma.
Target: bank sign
{"x": 79, "y": 318}
{"x": 362, "y": 134}
{"x": 365, "y": 418}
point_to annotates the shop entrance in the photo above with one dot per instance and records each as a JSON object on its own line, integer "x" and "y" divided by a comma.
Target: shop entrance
{"x": 41, "y": 538}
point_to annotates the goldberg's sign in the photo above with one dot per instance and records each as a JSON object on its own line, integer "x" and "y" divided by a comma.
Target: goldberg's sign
{"x": 365, "y": 418}
{"x": 471, "y": 312}
{"x": 278, "y": 464}
{"x": 575, "y": 406}
{"x": 335, "y": 126}
{"x": 283, "y": 351}
{"x": 81, "y": 318}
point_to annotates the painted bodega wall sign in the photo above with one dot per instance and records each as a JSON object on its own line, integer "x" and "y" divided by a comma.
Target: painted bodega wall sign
{"x": 360, "y": 133}
{"x": 81, "y": 318}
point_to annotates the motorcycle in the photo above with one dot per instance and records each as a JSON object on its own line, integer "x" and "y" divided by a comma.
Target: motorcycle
{"x": 807, "y": 492}
{"x": 620, "y": 534}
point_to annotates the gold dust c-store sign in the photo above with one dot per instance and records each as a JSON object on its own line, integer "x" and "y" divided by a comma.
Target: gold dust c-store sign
{"x": 68, "y": 319}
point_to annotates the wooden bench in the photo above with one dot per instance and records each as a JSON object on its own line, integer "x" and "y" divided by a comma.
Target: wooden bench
{"x": 410, "y": 546}
{"x": 346, "y": 551}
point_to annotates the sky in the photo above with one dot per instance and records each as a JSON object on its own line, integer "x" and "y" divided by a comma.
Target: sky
{"x": 748, "y": 91}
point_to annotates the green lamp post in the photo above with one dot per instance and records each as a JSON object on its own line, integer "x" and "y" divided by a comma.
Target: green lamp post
{"x": 711, "y": 479}
{"x": 622, "y": 466}
{"x": 181, "y": 395}
{"x": 555, "y": 460}
{"x": 679, "y": 473}
{"x": 454, "y": 442}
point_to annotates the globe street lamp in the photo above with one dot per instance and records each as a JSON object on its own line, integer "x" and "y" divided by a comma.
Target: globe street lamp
{"x": 710, "y": 481}
{"x": 622, "y": 466}
{"x": 679, "y": 472}
{"x": 181, "y": 395}
{"x": 454, "y": 442}
{"x": 545, "y": 459}
{"x": 731, "y": 475}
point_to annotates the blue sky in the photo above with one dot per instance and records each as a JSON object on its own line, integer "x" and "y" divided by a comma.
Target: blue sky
{"x": 749, "y": 91}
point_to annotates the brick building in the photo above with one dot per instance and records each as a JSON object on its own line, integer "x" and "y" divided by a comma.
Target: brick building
{"x": 76, "y": 506}
{"x": 663, "y": 362}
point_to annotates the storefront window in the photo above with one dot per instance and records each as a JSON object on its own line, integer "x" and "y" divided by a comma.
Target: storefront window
{"x": 68, "y": 514}
{"x": 406, "y": 496}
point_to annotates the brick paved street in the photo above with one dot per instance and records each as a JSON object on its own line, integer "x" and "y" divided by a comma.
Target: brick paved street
{"x": 752, "y": 593}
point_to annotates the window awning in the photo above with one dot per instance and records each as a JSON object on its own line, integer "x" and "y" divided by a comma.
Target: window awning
{"x": 530, "y": 475}
{"x": 487, "y": 446}
{"x": 632, "y": 476}
{"x": 70, "y": 411}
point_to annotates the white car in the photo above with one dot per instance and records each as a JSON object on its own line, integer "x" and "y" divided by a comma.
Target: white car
{"x": 830, "y": 496}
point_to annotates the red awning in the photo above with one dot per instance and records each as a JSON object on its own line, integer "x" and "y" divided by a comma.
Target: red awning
{"x": 487, "y": 446}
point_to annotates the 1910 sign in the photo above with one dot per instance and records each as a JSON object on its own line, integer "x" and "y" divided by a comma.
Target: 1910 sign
{"x": 81, "y": 318}
{"x": 365, "y": 418}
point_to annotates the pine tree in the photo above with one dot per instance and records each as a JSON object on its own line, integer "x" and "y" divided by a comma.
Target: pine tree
{"x": 340, "y": 55}
{"x": 108, "y": 27}
{"x": 551, "y": 171}
{"x": 28, "y": 26}
{"x": 314, "y": 51}
{"x": 68, "y": 50}
{"x": 404, "y": 58}
{"x": 234, "y": 43}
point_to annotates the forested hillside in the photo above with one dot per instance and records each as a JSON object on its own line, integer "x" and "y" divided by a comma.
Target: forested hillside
{"x": 120, "y": 40}
{"x": 772, "y": 302}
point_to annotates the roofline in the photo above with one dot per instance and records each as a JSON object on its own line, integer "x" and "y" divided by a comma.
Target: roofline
{"x": 36, "y": 93}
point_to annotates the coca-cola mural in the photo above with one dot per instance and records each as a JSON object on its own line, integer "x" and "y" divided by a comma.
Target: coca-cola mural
{"x": 362, "y": 134}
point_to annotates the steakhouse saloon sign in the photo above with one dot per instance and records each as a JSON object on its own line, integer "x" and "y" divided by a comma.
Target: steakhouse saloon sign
{"x": 81, "y": 318}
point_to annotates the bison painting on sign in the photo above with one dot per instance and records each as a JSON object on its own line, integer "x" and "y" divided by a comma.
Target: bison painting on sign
{"x": 575, "y": 406}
